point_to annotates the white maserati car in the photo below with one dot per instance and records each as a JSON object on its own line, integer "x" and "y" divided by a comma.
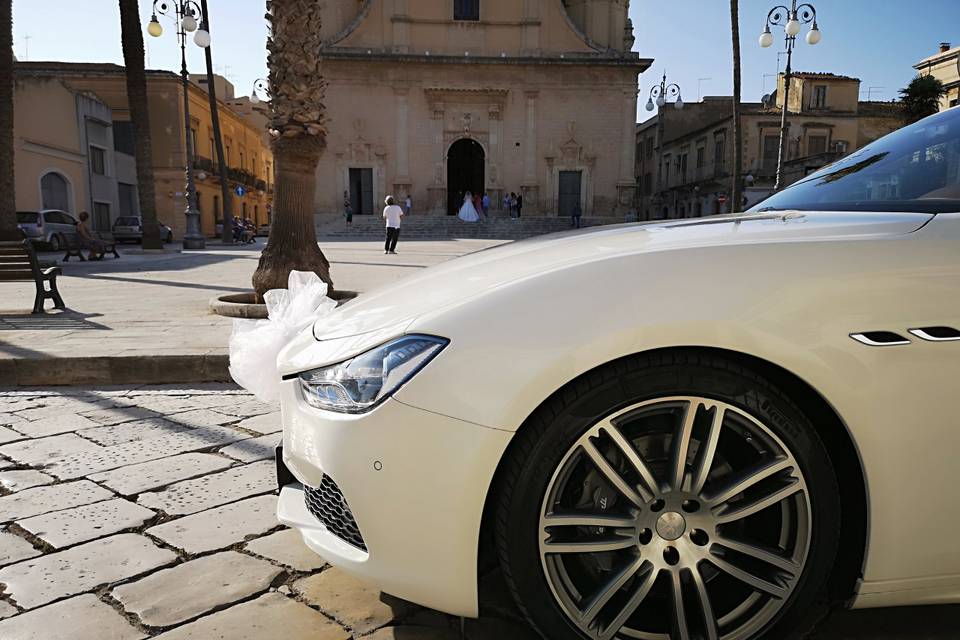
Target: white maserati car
{"x": 720, "y": 428}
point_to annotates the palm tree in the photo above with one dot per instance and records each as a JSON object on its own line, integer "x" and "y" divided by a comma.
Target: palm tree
{"x": 921, "y": 98}
{"x": 736, "y": 189}
{"x": 297, "y": 123}
{"x": 8, "y": 201}
{"x": 132, "y": 39}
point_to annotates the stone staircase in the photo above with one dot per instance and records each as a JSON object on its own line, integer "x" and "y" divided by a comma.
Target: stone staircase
{"x": 425, "y": 227}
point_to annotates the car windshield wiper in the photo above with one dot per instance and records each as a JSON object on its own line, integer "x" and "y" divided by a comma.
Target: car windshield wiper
{"x": 769, "y": 209}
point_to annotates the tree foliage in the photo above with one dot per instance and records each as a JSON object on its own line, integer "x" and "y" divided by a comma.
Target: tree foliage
{"x": 921, "y": 98}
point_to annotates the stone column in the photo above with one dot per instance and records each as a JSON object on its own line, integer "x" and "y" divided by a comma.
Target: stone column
{"x": 495, "y": 150}
{"x": 529, "y": 186}
{"x": 401, "y": 178}
{"x": 627, "y": 183}
{"x": 437, "y": 191}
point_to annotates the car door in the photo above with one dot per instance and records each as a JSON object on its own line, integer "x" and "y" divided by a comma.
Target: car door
{"x": 68, "y": 224}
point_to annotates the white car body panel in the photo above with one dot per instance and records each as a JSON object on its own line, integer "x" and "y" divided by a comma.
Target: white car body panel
{"x": 527, "y": 318}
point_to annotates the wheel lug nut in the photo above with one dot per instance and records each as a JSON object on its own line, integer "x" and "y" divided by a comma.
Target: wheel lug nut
{"x": 646, "y": 535}
{"x": 671, "y": 556}
{"x": 690, "y": 506}
{"x": 699, "y": 537}
{"x": 657, "y": 506}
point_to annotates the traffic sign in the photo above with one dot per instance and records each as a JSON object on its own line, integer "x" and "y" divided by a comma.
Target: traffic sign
{"x": 240, "y": 191}
{"x": 722, "y": 199}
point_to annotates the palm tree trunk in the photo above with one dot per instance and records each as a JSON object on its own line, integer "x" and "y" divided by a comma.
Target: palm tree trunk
{"x": 225, "y": 194}
{"x": 132, "y": 39}
{"x": 297, "y": 122}
{"x": 736, "y": 188}
{"x": 8, "y": 200}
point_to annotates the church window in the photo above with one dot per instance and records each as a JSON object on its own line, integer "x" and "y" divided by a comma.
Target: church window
{"x": 466, "y": 9}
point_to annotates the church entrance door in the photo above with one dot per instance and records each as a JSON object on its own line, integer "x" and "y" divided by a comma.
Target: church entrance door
{"x": 465, "y": 172}
{"x": 361, "y": 191}
{"x": 569, "y": 192}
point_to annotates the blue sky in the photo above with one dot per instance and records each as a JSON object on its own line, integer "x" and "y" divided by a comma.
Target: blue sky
{"x": 874, "y": 40}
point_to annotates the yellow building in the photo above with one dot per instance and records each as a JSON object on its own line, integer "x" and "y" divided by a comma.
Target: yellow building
{"x": 945, "y": 66}
{"x": 247, "y": 154}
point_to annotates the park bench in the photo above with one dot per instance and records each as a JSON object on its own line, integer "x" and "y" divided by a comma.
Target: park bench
{"x": 74, "y": 248}
{"x": 18, "y": 263}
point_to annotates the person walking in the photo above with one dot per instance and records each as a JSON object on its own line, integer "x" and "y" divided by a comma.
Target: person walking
{"x": 506, "y": 202}
{"x": 347, "y": 208}
{"x": 485, "y": 205}
{"x": 575, "y": 216}
{"x": 392, "y": 213}
{"x": 519, "y": 204}
{"x": 408, "y": 205}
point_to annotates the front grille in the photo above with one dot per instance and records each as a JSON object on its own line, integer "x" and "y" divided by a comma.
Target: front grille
{"x": 328, "y": 505}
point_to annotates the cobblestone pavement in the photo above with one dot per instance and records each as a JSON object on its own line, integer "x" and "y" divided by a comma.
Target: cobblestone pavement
{"x": 149, "y": 512}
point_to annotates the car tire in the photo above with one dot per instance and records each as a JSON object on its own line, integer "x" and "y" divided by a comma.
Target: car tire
{"x": 549, "y": 476}
{"x": 56, "y": 242}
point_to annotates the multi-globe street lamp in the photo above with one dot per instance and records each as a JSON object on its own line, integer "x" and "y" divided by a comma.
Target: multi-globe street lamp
{"x": 661, "y": 92}
{"x": 792, "y": 19}
{"x": 188, "y": 16}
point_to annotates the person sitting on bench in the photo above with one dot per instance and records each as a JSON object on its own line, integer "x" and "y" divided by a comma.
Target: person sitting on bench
{"x": 88, "y": 241}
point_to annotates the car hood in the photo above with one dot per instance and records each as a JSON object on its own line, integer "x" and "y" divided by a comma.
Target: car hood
{"x": 393, "y": 308}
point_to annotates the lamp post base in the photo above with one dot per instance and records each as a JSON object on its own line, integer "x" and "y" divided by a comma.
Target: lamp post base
{"x": 194, "y": 242}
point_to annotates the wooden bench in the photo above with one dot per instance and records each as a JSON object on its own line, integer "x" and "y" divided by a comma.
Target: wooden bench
{"x": 18, "y": 263}
{"x": 75, "y": 248}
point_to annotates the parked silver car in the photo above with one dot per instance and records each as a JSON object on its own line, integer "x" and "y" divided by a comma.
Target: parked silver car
{"x": 131, "y": 228}
{"x": 49, "y": 227}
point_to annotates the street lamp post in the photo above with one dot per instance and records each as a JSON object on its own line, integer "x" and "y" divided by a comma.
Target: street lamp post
{"x": 791, "y": 19}
{"x": 187, "y": 15}
{"x": 659, "y": 94}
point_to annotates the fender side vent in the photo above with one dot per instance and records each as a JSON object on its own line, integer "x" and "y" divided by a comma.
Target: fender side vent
{"x": 879, "y": 338}
{"x": 936, "y": 334}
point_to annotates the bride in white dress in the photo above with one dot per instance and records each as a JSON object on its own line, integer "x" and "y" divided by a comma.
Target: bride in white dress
{"x": 468, "y": 212}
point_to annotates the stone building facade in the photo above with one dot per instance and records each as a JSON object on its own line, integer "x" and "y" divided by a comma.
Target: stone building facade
{"x": 98, "y": 93}
{"x": 945, "y": 66}
{"x": 685, "y": 157}
{"x": 433, "y": 98}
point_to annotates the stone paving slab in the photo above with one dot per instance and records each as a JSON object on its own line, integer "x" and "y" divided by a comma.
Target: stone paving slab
{"x": 54, "y": 425}
{"x": 9, "y": 435}
{"x": 121, "y": 455}
{"x": 13, "y": 548}
{"x": 202, "y": 418}
{"x": 33, "y": 502}
{"x": 350, "y": 602}
{"x": 245, "y": 408}
{"x": 269, "y": 616}
{"x": 80, "y": 618}
{"x": 416, "y": 633}
{"x": 110, "y": 435}
{"x": 42, "y": 450}
{"x": 265, "y": 424}
{"x": 287, "y": 548}
{"x": 155, "y": 474}
{"x": 120, "y": 413}
{"x": 189, "y": 590}
{"x": 37, "y": 581}
{"x": 17, "y": 480}
{"x": 88, "y": 522}
{"x": 60, "y": 408}
{"x": 220, "y": 527}
{"x": 262, "y": 448}
{"x": 213, "y": 490}
{"x": 7, "y": 610}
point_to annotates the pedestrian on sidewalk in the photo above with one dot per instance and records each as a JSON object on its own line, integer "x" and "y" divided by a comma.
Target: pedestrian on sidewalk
{"x": 519, "y": 204}
{"x": 513, "y": 205}
{"x": 392, "y": 213}
{"x": 485, "y": 204}
{"x": 506, "y": 202}
{"x": 94, "y": 245}
{"x": 347, "y": 208}
{"x": 408, "y": 205}
{"x": 575, "y": 216}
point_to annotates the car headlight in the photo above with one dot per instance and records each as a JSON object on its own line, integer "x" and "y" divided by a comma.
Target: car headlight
{"x": 364, "y": 381}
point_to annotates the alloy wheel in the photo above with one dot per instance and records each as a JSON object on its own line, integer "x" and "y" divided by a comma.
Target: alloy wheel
{"x": 676, "y": 518}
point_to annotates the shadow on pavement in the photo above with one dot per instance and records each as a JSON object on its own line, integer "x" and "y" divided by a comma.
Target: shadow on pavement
{"x": 901, "y": 623}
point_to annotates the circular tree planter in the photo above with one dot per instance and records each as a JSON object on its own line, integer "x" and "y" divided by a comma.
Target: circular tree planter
{"x": 244, "y": 305}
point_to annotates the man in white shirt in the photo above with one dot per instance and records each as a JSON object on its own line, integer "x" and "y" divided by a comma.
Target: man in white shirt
{"x": 392, "y": 213}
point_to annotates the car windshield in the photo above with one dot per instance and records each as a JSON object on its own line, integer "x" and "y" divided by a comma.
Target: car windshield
{"x": 916, "y": 168}
{"x": 27, "y": 217}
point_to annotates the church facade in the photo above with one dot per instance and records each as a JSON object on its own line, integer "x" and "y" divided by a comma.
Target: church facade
{"x": 435, "y": 98}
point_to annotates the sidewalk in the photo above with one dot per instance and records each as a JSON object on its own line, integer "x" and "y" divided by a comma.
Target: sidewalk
{"x": 145, "y": 317}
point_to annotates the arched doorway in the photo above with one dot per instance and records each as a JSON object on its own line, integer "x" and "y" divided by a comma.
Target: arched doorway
{"x": 465, "y": 172}
{"x": 54, "y": 192}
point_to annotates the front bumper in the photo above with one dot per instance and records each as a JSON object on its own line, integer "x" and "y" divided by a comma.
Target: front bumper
{"x": 415, "y": 482}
